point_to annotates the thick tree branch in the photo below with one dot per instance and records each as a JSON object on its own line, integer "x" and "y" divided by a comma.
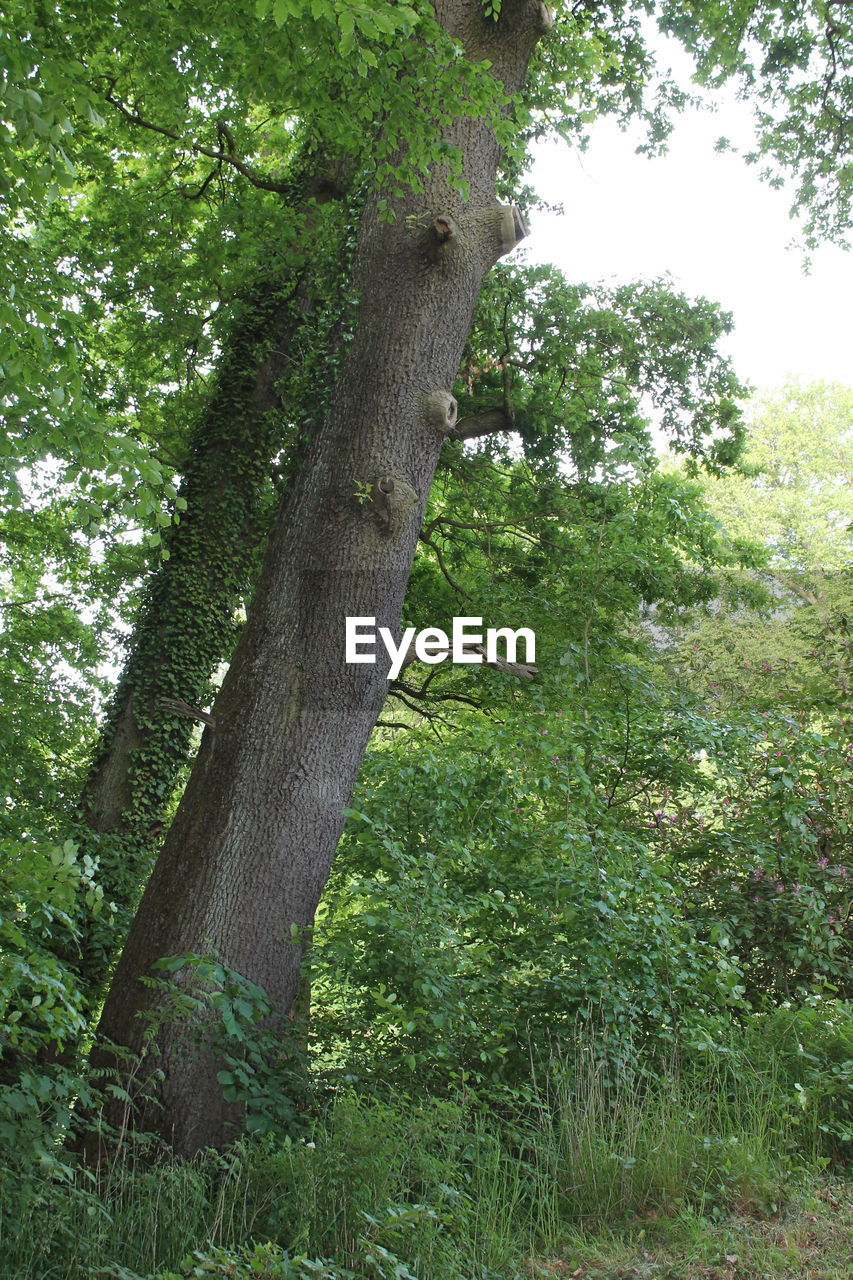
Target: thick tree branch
{"x": 521, "y": 669}
{"x": 488, "y": 423}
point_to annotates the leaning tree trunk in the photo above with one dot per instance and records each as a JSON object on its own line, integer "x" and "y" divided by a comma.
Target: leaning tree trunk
{"x": 187, "y": 625}
{"x": 250, "y": 848}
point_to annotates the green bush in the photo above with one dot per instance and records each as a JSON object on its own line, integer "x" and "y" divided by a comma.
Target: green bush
{"x": 811, "y": 1046}
{"x": 270, "y": 1262}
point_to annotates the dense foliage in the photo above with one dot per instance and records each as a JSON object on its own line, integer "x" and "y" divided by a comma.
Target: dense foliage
{"x": 585, "y": 950}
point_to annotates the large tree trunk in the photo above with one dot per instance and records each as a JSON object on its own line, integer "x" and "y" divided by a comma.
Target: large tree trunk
{"x": 250, "y": 849}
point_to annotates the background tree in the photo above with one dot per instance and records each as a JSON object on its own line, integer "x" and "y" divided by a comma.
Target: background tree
{"x": 778, "y": 642}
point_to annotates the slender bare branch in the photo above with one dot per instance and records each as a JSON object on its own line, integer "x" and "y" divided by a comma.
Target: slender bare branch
{"x": 197, "y": 148}
{"x": 443, "y": 567}
{"x": 399, "y": 687}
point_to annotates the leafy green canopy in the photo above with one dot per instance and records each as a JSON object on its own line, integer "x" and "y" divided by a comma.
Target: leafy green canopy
{"x": 159, "y": 136}
{"x": 792, "y": 58}
{"x": 790, "y": 500}
{"x": 583, "y": 372}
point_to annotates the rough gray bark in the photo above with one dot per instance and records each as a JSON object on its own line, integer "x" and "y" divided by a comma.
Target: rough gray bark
{"x": 250, "y": 848}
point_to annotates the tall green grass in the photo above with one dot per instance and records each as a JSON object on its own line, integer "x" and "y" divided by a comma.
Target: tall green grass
{"x": 443, "y": 1190}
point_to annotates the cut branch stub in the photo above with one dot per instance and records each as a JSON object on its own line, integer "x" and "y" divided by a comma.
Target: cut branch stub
{"x": 513, "y": 227}
{"x": 442, "y": 228}
{"x": 392, "y": 500}
{"x": 502, "y": 228}
{"x": 441, "y": 410}
{"x": 546, "y": 18}
{"x": 383, "y": 500}
{"x": 440, "y": 237}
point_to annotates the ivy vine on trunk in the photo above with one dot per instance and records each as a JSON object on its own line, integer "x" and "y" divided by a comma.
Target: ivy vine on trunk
{"x": 239, "y": 454}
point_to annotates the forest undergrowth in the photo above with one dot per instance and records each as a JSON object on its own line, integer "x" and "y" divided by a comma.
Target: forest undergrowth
{"x": 712, "y": 1166}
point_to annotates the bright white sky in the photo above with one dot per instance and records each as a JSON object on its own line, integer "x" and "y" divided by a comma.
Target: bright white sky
{"x": 706, "y": 219}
